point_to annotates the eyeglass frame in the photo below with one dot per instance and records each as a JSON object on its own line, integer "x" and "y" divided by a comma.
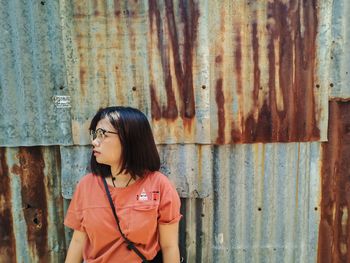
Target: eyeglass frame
{"x": 94, "y": 134}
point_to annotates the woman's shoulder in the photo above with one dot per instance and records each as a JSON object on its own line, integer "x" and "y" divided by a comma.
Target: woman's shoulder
{"x": 157, "y": 176}
{"x": 161, "y": 179}
{"x": 87, "y": 180}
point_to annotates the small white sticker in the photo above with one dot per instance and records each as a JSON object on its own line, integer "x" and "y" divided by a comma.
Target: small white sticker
{"x": 62, "y": 102}
{"x": 143, "y": 196}
{"x": 220, "y": 239}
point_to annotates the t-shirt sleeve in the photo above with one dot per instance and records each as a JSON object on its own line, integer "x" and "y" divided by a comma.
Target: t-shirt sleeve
{"x": 169, "y": 206}
{"x": 74, "y": 216}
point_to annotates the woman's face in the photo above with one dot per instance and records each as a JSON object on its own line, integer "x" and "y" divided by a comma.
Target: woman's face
{"x": 108, "y": 150}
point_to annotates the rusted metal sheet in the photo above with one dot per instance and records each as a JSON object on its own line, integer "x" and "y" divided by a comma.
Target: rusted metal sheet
{"x": 264, "y": 63}
{"x": 246, "y": 73}
{"x": 205, "y": 73}
{"x": 34, "y": 98}
{"x": 32, "y": 203}
{"x": 334, "y": 241}
{"x": 249, "y": 72}
{"x": 30, "y": 170}
{"x": 185, "y": 69}
{"x": 7, "y": 244}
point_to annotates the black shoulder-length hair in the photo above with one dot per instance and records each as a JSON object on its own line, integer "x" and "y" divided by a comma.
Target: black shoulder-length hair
{"x": 139, "y": 151}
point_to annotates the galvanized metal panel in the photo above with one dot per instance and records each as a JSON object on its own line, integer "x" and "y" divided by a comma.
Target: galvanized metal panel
{"x": 265, "y": 206}
{"x": 197, "y": 79}
{"x": 114, "y": 58}
{"x": 246, "y": 73}
{"x": 339, "y": 57}
{"x": 171, "y": 52}
{"x": 75, "y": 161}
{"x": 188, "y": 166}
{"x": 334, "y": 242}
{"x": 31, "y": 205}
{"x": 263, "y": 202}
{"x": 32, "y": 75}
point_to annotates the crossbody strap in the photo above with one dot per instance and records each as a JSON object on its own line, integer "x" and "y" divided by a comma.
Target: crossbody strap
{"x": 130, "y": 244}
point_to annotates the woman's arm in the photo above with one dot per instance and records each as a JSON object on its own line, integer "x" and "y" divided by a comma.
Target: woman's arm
{"x": 75, "y": 250}
{"x": 168, "y": 238}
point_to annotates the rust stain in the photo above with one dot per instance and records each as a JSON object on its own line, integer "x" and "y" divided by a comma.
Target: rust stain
{"x": 31, "y": 170}
{"x": 79, "y": 11}
{"x": 288, "y": 114}
{"x": 170, "y": 110}
{"x": 82, "y": 74}
{"x": 252, "y": 128}
{"x": 155, "y": 108}
{"x": 183, "y": 63}
{"x": 238, "y": 62}
{"x": 96, "y": 9}
{"x": 255, "y": 44}
{"x": 7, "y": 237}
{"x": 220, "y": 101}
{"x": 334, "y": 229}
{"x": 235, "y": 134}
{"x": 117, "y": 8}
{"x": 190, "y": 35}
{"x": 305, "y": 49}
{"x": 272, "y": 73}
{"x": 127, "y": 9}
{"x": 218, "y": 59}
{"x": 256, "y": 131}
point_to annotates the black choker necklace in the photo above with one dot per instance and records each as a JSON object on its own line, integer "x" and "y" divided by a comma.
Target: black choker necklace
{"x": 113, "y": 179}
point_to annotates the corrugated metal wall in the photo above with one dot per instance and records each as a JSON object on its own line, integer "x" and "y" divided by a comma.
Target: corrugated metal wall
{"x": 31, "y": 211}
{"x": 244, "y": 73}
{"x": 211, "y": 76}
{"x": 33, "y": 75}
{"x": 335, "y": 205}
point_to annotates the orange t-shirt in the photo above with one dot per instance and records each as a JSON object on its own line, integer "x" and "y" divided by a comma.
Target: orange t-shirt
{"x": 140, "y": 207}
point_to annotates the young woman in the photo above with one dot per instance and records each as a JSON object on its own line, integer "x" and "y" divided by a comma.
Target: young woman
{"x": 146, "y": 203}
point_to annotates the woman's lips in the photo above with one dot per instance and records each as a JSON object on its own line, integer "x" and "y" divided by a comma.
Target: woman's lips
{"x": 96, "y": 153}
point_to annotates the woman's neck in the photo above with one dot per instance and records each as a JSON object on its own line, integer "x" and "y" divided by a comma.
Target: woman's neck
{"x": 122, "y": 179}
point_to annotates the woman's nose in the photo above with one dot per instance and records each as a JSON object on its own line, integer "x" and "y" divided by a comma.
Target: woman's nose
{"x": 95, "y": 142}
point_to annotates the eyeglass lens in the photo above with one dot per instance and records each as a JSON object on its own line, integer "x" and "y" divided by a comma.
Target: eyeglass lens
{"x": 99, "y": 133}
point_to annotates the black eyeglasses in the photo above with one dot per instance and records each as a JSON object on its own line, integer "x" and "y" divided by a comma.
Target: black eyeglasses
{"x": 100, "y": 134}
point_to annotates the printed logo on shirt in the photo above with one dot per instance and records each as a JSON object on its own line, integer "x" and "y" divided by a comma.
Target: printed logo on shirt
{"x": 143, "y": 196}
{"x": 154, "y": 195}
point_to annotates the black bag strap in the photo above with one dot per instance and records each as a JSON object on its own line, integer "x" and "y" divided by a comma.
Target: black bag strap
{"x": 130, "y": 244}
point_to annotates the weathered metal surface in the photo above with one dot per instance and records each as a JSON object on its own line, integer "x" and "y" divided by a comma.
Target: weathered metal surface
{"x": 264, "y": 208}
{"x": 205, "y": 73}
{"x": 264, "y": 71}
{"x": 246, "y": 73}
{"x": 31, "y": 205}
{"x": 334, "y": 240}
{"x": 185, "y": 69}
{"x": 188, "y": 166}
{"x": 32, "y": 75}
{"x": 7, "y": 244}
{"x": 263, "y": 202}
{"x": 339, "y": 57}
{"x": 75, "y": 161}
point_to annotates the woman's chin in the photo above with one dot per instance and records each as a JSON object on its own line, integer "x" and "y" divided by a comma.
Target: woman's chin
{"x": 101, "y": 161}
